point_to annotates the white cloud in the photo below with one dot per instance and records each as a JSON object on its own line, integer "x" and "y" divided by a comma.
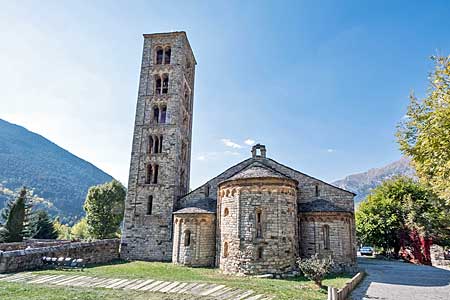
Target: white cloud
{"x": 201, "y": 157}
{"x": 331, "y": 150}
{"x": 230, "y": 143}
{"x": 249, "y": 142}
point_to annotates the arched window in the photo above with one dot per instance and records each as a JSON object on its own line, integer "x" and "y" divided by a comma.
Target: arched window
{"x": 159, "y": 56}
{"x": 158, "y": 84}
{"x": 316, "y": 191}
{"x": 259, "y": 223}
{"x": 150, "y": 145}
{"x": 155, "y": 175}
{"x": 165, "y": 84}
{"x": 259, "y": 254}
{"x": 148, "y": 175}
{"x": 167, "y": 54}
{"x": 163, "y": 115}
{"x": 156, "y": 114}
{"x": 226, "y": 212}
{"x": 157, "y": 150}
{"x": 187, "y": 238}
{"x": 160, "y": 143}
{"x": 225, "y": 249}
{"x": 150, "y": 205}
{"x": 326, "y": 237}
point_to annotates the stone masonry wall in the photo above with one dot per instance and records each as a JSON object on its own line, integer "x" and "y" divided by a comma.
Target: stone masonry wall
{"x": 342, "y": 243}
{"x": 201, "y": 250}
{"x": 32, "y": 244}
{"x": 148, "y": 236}
{"x": 275, "y": 249}
{"x": 92, "y": 252}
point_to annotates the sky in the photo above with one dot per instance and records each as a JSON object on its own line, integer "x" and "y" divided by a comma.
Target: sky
{"x": 323, "y": 84}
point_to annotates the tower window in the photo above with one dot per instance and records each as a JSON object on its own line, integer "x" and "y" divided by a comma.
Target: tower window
{"x": 157, "y": 150}
{"x": 165, "y": 84}
{"x": 150, "y": 145}
{"x": 155, "y": 175}
{"x": 259, "y": 224}
{"x": 326, "y": 237}
{"x": 156, "y": 114}
{"x": 159, "y": 56}
{"x": 160, "y": 143}
{"x": 167, "y": 54}
{"x": 158, "y": 83}
{"x": 150, "y": 205}
{"x": 163, "y": 115}
{"x": 317, "y": 191}
{"x": 148, "y": 175}
{"x": 187, "y": 238}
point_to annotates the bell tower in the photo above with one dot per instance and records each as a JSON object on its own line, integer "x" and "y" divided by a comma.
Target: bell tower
{"x": 161, "y": 149}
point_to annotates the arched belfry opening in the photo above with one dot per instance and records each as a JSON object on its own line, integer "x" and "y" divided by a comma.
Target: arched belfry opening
{"x": 259, "y": 150}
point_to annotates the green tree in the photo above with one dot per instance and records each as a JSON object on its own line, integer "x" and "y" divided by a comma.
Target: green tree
{"x": 80, "y": 230}
{"x": 63, "y": 231}
{"x": 425, "y": 134}
{"x": 43, "y": 226}
{"x": 398, "y": 206}
{"x": 104, "y": 208}
{"x": 15, "y": 216}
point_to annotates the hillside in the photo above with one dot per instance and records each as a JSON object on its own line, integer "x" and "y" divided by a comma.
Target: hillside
{"x": 361, "y": 184}
{"x": 57, "y": 179}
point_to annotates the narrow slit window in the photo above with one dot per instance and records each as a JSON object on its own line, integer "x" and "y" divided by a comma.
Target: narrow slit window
{"x": 150, "y": 145}
{"x": 187, "y": 238}
{"x": 258, "y": 224}
{"x": 148, "y": 175}
{"x": 156, "y": 145}
{"x": 326, "y": 237}
{"x": 160, "y": 143}
{"x": 260, "y": 253}
{"x": 225, "y": 249}
{"x": 150, "y": 205}
{"x": 317, "y": 191}
{"x": 155, "y": 175}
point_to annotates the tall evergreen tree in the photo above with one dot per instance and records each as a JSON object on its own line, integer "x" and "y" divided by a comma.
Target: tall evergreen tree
{"x": 42, "y": 226}
{"x": 15, "y": 216}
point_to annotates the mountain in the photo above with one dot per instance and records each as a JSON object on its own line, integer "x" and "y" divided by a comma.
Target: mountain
{"x": 57, "y": 180}
{"x": 361, "y": 184}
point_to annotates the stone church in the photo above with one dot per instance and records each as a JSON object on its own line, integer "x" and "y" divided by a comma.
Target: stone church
{"x": 256, "y": 217}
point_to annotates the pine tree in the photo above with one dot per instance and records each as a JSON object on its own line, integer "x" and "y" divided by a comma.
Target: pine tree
{"x": 15, "y": 218}
{"x": 42, "y": 226}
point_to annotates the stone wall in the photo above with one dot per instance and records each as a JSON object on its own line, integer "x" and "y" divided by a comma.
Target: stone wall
{"x": 258, "y": 226}
{"x": 199, "y": 251}
{"x": 92, "y": 252}
{"x": 341, "y": 236}
{"x": 148, "y": 236}
{"x": 32, "y": 244}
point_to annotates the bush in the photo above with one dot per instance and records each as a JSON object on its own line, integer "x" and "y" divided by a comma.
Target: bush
{"x": 316, "y": 268}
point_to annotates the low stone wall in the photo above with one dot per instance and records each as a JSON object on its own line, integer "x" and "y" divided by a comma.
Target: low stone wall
{"x": 344, "y": 293}
{"x": 92, "y": 252}
{"x": 31, "y": 243}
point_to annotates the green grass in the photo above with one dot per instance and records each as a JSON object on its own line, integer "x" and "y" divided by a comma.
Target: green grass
{"x": 17, "y": 291}
{"x": 283, "y": 289}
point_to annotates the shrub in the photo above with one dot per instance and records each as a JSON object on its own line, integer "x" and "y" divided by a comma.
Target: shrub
{"x": 316, "y": 268}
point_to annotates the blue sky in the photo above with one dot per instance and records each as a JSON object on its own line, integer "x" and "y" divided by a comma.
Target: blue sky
{"x": 321, "y": 83}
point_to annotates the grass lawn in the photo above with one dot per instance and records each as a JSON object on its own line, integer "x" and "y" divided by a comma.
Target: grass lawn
{"x": 283, "y": 289}
{"x": 18, "y": 291}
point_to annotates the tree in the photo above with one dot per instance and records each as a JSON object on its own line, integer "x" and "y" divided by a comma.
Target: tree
{"x": 104, "y": 208}
{"x": 15, "y": 215}
{"x": 316, "y": 268}
{"x": 43, "y": 227}
{"x": 398, "y": 207}
{"x": 425, "y": 134}
{"x": 63, "y": 231}
{"x": 80, "y": 230}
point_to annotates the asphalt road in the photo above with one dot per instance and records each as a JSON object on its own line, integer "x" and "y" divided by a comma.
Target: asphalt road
{"x": 392, "y": 280}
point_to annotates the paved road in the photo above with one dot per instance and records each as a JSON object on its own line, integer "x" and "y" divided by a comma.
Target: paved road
{"x": 389, "y": 280}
